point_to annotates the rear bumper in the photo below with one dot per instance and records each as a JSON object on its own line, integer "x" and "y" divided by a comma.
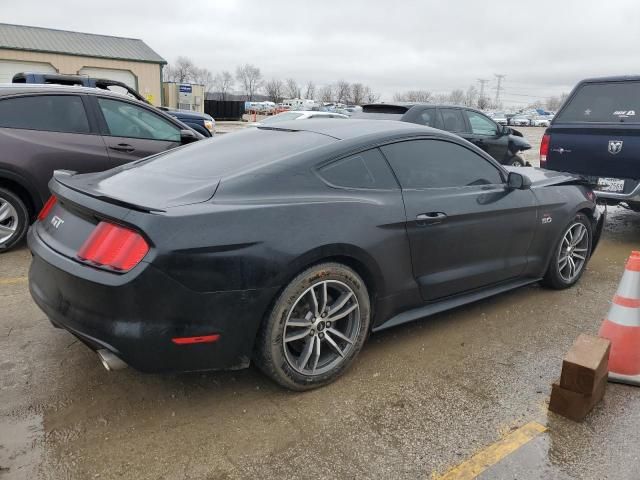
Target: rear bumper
{"x": 136, "y": 317}
{"x": 633, "y": 196}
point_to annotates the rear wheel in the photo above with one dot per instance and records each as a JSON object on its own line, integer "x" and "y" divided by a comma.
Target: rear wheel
{"x": 571, "y": 254}
{"x": 316, "y": 328}
{"x": 14, "y": 219}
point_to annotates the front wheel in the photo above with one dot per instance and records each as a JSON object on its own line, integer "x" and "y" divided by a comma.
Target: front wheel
{"x": 571, "y": 254}
{"x": 316, "y": 328}
{"x": 516, "y": 161}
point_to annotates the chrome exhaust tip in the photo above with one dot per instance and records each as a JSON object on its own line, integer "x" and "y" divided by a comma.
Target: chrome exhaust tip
{"x": 110, "y": 361}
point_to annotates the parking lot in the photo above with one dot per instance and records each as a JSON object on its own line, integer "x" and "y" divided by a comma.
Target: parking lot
{"x": 421, "y": 399}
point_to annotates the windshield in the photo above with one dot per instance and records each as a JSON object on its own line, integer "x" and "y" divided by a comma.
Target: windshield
{"x": 610, "y": 102}
{"x": 281, "y": 117}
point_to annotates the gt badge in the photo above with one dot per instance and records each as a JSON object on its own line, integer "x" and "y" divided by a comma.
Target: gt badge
{"x": 615, "y": 146}
{"x": 546, "y": 218}
{"x": 56, "y": 221}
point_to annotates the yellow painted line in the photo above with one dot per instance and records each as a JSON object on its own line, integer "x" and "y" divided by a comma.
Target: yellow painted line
{"x": 494, "y": 453}
{"x": 13, "y": 281}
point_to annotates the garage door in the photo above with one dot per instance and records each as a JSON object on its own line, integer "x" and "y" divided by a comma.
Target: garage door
{"x": 124, "y": 76}
{"x": 8, "y": 68}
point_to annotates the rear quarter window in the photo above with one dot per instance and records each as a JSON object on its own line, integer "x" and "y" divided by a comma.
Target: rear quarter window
{"x": 52, "y": 113}
{"x": 367, "y": 169}
{"x": 606, "y": 102}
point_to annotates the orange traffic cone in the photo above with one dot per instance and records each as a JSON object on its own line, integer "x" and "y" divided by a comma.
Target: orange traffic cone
{"x": 622, "y": 326}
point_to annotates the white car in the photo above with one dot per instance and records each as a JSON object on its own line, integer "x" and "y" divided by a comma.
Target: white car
{"x": 540, "y": 121}
{"x": 520, "y": 121}
{"x": 499, "y": 118}
{"x": 296, "y": 115}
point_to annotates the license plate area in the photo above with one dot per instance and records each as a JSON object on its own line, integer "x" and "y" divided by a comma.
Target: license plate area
{"x": 614, "y": 185}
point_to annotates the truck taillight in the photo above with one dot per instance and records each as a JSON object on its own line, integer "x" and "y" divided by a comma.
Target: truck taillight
{"x": 544, "y": 149}
{"x": 113, "y": 247}
{"x": 46, "y": 209}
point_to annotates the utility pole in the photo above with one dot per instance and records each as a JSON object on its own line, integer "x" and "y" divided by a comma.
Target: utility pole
{"x": 498, "y": 87}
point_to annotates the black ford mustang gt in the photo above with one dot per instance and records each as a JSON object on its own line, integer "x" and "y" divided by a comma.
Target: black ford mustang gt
{"x": 288, "y": 245}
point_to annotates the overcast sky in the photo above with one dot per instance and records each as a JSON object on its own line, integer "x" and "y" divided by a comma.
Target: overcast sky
{"x": 543, "y": 47}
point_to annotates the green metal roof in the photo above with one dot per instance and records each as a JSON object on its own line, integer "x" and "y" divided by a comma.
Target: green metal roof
{"x": 21, "y": 37}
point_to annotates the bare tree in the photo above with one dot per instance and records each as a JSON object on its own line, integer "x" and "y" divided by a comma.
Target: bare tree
{"x": 223, "y": 82}
{"x": 554, "y": 103}
{"x": 370, "y": 96}
{"x": 183, "y": 70}
{"x": 471, "y": 97}
{"x": 250, "y": 78}
{"x": 326, "y": 94}
{"x": 310, "y": 90}
{"x": 204, "y": 77}
{"x": 292, "y": 89}
{"x": 414, "y": 96}
{"x": 456, "y": 97}
{"x": 357, "y": 93}
{"x": 483, "y": 102}
{"x": 274, "y": 89}
{"x": 343, "y": 91}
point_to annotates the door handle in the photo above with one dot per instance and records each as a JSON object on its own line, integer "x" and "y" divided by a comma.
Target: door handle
{"x": 122, "y": 147}
{"x": 430, "y": 218}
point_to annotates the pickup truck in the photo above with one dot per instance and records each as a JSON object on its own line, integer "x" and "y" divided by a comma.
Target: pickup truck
{"x": 596, "y": 134}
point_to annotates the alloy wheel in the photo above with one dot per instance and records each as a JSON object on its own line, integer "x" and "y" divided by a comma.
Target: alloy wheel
{"x": 321, "y": 327}
{"x": 8, "y": 221}
{"x": 573, "y": 252}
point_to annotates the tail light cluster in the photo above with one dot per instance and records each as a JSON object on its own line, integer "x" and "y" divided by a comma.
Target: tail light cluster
{"x": 113, "y": 247}
{"x": 544, "y": 149}
{"x": 46, "y": 209}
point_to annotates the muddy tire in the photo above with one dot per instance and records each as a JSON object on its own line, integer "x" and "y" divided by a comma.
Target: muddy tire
{"x": 14, "y": 220}
{"x": 570, "y": 255}
{"x": 316, "y": 328}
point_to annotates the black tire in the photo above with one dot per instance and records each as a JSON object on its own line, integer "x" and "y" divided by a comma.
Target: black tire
{"x": 19, "y": 221}
{"x": 274, "y": 356}
{"x": 516, "y": 161}
{"x": 554, "y": 278}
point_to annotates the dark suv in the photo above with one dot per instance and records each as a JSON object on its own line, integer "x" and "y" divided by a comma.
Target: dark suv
{"x": 48, "y": 127}
{"x": 596, "y": 133}
{"x": 502, "y": 143}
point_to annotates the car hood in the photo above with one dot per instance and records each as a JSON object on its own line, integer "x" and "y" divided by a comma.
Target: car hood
{"x": 544, "y": 178}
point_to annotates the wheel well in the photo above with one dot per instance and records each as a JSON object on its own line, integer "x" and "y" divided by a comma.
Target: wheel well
{"x": 21, "y": 192}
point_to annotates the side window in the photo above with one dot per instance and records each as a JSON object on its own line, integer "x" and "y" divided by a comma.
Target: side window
{"x": 428, "y": 117}
{"x": 452, "y": 119}
{"x": 481, "y": 125}
{"x": 128, "y": 120}
{"x": 364, "y": 170}
{"x": 53, "y": 113}
{"x": 439, "y": 164}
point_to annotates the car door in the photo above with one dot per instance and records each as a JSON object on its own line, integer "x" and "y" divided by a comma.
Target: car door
{"x": 133, "y": 131}
{"x": 40, "y": 133}
{"x": 486, "y": 134}
{"x": 466, "y": 228}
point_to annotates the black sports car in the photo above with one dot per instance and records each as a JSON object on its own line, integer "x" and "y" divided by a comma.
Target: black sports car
{"x": 288, "y": 245}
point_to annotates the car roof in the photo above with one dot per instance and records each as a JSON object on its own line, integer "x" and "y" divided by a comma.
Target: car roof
{"x": 7, "y": 89}
{"x": 355, "y": 128}
{"x": 614, "y": 78}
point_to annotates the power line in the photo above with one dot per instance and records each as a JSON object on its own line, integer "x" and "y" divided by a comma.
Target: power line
{"x": 498, "y": 87}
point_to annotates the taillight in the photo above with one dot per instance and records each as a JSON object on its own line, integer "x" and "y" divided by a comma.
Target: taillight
{"x": 47, "y": 208}
{"x": 113, "y": 247}
{"x": 544, "y": 149}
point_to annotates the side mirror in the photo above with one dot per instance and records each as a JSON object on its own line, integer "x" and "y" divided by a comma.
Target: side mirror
{"x": 187, "y": 136}
{"x": 517, "y": 181}
{"x": 506, "y": 130}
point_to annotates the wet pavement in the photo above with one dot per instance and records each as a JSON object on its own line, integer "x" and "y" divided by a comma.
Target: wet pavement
{"x": 420, "y": 399}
